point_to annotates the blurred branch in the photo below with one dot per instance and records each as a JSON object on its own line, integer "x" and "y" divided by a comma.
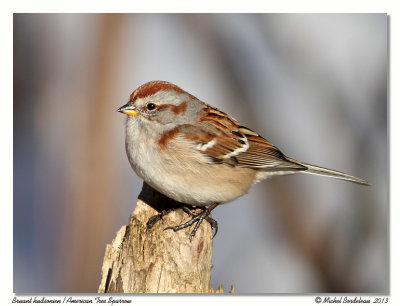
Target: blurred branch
{"x": 160, "y": 261}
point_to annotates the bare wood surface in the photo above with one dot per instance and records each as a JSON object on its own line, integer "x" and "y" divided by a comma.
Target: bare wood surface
{"x": 161, "y": 261}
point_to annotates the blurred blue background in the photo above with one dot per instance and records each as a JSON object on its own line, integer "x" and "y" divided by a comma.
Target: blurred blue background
{"x": 315, "y": 85}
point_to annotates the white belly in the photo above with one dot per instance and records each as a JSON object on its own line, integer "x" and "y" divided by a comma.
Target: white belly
{"x": 185, "y": 177}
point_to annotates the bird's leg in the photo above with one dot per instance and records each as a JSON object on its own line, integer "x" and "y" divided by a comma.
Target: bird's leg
{"x": 153, "y": 220}
{"x": 213, "y": 223}
{"x": 197, "y": 218}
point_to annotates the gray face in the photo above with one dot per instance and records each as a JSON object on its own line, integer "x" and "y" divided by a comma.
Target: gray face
{"x": 168, "y": 108}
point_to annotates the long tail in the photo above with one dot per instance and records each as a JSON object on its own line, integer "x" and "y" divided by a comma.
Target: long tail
{"x": 331, "y": 173}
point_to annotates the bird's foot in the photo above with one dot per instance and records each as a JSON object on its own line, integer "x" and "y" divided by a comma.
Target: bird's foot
{"x": 197, "y": 218}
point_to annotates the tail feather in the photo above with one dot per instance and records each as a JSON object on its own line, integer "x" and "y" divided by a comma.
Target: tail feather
{"x": 331, "y": 173}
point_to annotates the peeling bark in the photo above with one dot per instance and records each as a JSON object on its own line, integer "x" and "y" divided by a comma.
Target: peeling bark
{"x": 162, "y": 261}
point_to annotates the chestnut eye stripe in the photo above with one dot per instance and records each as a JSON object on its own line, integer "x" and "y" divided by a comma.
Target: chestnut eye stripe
{"x": 176, "y": 109}
{"x": 179, "y": 109}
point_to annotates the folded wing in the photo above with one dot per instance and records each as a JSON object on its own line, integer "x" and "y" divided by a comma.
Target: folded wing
{"x": 221, "y": 139}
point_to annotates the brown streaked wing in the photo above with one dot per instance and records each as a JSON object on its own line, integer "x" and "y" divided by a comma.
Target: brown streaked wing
{"x": 234, "y": 145}
{"x": 226, "y": 143}
{"x": 262, "y": 154}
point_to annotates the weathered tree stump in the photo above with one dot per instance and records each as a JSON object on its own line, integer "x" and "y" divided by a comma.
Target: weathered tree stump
{"x": 161, "y": 261}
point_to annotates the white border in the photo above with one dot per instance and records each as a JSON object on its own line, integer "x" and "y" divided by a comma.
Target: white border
{"x": 251, "y": 6}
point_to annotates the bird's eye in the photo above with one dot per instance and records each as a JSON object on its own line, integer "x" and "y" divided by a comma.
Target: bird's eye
{"x": 151, "y": 106}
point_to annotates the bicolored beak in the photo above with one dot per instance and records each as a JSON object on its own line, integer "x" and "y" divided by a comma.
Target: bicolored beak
{"x": 128, "y": 109}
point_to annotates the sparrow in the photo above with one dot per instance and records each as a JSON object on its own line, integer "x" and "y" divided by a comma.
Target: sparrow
{"x": 196, "y": 154}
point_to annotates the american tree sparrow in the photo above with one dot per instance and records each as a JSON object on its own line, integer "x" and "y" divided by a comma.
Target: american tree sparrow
{"x": 198, "y": 155}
